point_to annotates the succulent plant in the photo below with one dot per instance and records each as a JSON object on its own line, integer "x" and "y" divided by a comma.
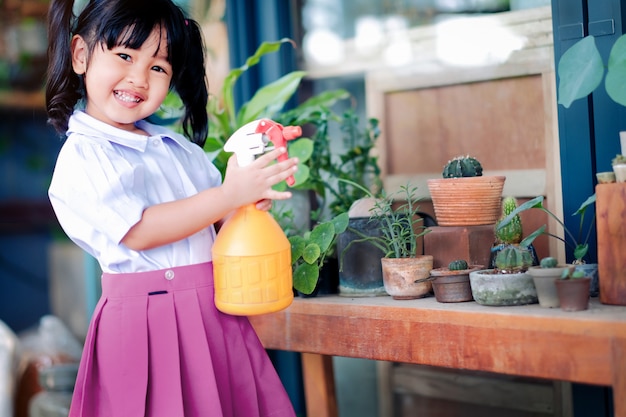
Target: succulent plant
{"x": 548, "y": 262}
{"x": 512, "y": 232}
{"x": 572, "y": 273}
{"x": 458, "y": 265}
{"x": 513, "y": 259}
{"x": 619, "y": 160}
{"x": 462, "y": 166}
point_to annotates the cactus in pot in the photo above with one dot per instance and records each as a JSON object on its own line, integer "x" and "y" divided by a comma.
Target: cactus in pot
{"x": 451, "y": 284}
{"x": 462, "y": 166}
{"x": 544, "y": 276}
{"x": 458, "y": 265}
{"x": 463, "y": 196}
{"x": 548, "y": 262}
{"x": 511, "y": 234}
{"x": 513, "y": 259}
{"x": 508, "y": 283}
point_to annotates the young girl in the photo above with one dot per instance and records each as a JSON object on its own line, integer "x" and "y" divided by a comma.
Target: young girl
{"x": 143, "y": 201}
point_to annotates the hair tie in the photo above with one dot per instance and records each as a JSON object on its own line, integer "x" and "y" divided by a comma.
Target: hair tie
{"x": 186, "y": 22}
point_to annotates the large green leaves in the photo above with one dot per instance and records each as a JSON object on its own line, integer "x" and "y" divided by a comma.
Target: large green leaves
{"x": 615, "y": 83}
{"x": 580, "y": 71}
{"x": 308, "y": 252}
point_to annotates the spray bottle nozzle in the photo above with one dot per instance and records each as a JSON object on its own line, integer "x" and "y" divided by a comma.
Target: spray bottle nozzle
{"x": 252, "y": 139}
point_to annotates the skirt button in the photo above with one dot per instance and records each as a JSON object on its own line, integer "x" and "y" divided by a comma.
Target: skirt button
{"x": 169, "y": 275}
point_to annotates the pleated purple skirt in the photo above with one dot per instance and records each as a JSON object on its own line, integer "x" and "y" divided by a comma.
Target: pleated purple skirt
{"x": 158, "y": 347}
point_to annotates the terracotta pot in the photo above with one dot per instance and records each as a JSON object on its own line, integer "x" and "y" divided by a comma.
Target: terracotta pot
{"x": 469, "y": 201}
{"x": 453, "y": 286}
{"x": 573, "y": 293}
{"x": 591, "y": 271}
{"x": 543, "y": 279}
{"x": 400, "y": 276}
{"x": 495, "y": 289}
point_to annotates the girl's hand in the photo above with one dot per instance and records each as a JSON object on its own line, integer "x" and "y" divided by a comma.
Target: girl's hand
{"x": 264, "y": 205}
{"x": 253, "y": 183}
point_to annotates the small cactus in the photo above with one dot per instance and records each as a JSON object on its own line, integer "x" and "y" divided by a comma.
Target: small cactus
{"x": 548, "y": 262}
{"x": 619, "y": 160}
{"x": 458, "y": 265}
{"x": 462, "y": 166}
{"x": 513, "y": 259}
{"x": 512, "y": 232}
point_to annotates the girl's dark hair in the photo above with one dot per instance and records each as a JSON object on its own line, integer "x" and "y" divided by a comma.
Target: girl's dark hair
{"x": 129, "y": 23}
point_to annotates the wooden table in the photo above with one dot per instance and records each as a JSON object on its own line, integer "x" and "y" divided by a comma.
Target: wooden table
{"x": 585, "y": 347}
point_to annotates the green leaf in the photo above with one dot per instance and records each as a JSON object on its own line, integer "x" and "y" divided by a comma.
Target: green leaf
{"x": 580, "y": 251}
{"x": 323, "y": 235}
{"x": 615, "y": 82}
{"x": 270, "y": 98}
{"x": 311, "y": 253}
{"x": 297, "y": 247}
{"x": 340, "y": 222}
{"x": 528, "y": 240}
{"x": 301, "y": 175}
{"x": 233, "y": 75}
{"x": 305, "y": 278}
{"x": 580, "y": 71}
{"x": 583, "y": 207}
{"x": 536, "y": 202}
{"x": 301, "y": 148}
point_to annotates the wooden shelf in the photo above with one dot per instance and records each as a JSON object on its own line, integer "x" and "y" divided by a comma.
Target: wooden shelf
{"x": 22, "y": 100}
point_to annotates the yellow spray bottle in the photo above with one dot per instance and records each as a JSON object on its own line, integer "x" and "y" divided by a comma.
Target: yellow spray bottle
{"x": 251, "y": 254}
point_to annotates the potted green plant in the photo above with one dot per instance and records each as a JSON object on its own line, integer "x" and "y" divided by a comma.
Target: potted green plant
{"x": 310, "y": 250}
{"x": 573, "y": 289}
{"x": 464, "y": 196}
{"x": 510, "y": 234}
{"x": 578, "y": 243}
{"x": 451, "y": 284}
{"x": 619, "y": 167}
{"x": 405, "y": 272}
{"x": 544, "y": 276}
{"x": 508, "y": 283}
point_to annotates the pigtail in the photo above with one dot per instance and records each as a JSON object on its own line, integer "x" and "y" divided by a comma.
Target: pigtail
{"x": 191, "y": 86}
{"x": 63, "y": 85}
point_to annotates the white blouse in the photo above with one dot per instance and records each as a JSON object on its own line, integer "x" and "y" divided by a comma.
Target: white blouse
{"x": 106, "y": 177}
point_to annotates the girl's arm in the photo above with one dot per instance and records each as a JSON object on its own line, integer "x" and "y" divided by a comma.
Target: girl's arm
{"x": 165, "y": 223}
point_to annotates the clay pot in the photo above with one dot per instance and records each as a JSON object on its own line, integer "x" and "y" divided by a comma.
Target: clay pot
{"x": 543, "y": 279}
{"x": 400, "y": 276}
{"x": 468, "y": 201}
{"x": 496, "y": 289}
{"x": 453, "y": 286}
{"x": 573, "y": 293}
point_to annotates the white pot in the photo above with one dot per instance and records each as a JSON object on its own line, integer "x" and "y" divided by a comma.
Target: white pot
{"x": 620, "y": 172}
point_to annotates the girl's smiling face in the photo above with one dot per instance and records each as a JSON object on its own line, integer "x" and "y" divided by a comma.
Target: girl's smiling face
{"x": 124, "y": 85}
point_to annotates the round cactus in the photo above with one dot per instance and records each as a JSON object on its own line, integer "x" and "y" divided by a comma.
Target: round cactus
{"x": 513, "y": 259}
{"x": 462, "y": 166}
{"x": 548, "y": 262}
{"x": 512, "y": 232}
{"x": 457, "y": 265}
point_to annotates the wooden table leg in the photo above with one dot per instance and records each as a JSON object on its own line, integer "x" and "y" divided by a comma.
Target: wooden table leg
{"x": 319, "y": 385}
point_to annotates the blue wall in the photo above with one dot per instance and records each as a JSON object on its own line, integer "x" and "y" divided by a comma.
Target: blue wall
{"x": 28, "y": 149}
